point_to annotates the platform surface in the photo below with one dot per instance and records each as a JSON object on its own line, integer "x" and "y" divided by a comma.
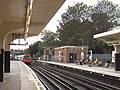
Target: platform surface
{"x": 21, "y": 77}
{"x": 101, "y": 70}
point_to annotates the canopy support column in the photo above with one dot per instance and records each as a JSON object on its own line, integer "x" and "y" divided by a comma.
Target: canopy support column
{"x": 117, "y": 57}
{"x": 7, "y": 54}
{"x": 7, "y": 62}
{"x": 1, "y": 64}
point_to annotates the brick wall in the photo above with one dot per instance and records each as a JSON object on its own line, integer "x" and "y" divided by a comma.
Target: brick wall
{"x": 62, "y": 54}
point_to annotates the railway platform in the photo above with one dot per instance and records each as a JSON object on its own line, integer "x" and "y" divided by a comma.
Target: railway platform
{"x": 21, "y": 77}
{"x": 99, "y": 70}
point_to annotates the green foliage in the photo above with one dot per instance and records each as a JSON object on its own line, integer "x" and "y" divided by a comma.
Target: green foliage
{"x": 17, "y": 52}
{"x": 73, "y": 25}
{"x": 81, "y": 22}
{"x": 77, "y": 12}
{"x": 26, "y": 51}
{"x": 78, "y": 25}
{"x": 36, "y": 50}
{"x": 50, "y": 39}
{"x": 105, "y": 16}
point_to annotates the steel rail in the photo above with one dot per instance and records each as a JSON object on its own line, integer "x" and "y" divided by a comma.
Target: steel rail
{"x": 48, "y": 79}
{"x": 76, "y": 82}
{"x": 95, "y": 83}
{"x": 88, "y": 80}
{"x": 69, "y": 86}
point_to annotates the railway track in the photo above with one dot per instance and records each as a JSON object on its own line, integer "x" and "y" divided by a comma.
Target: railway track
{"x": 52, "y": 82}
{"x": 58, "y": 79}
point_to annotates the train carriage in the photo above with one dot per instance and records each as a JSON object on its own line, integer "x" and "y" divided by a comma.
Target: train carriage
{"x": 27, "y": 59}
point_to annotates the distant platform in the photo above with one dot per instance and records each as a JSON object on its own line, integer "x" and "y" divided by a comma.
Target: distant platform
{"x": 101, "y": 70}
{"x": 21, "y": 77}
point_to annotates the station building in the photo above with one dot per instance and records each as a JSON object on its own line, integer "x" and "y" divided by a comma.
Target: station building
{"x": 70, "y": 54}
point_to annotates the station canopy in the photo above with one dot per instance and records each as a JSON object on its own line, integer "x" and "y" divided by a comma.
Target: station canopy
{"x": 111, "y": 37}
{"x": 14, "y": 17}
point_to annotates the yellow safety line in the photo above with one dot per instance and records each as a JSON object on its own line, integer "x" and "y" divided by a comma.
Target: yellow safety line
{"x": 37, "y": 86}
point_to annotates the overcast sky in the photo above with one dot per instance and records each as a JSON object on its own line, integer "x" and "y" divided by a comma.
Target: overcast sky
{"x": 54, "y": 21}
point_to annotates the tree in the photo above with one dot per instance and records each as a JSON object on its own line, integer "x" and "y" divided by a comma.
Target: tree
{"x": 33, "y": 49}
{"x": 73, "y": 25}
{"x": 49, "y": 38}
{"x": 81, "y": 22}
{"x": 40, "y": 49}
{"x": 78, "y": 25}
{"x": 26, "y": 51}
{"x": 105, "y": 16}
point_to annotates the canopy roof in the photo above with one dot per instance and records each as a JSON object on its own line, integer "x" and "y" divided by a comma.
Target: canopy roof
{"x": 13, "y": 15}
{"x": 111, "y": 37}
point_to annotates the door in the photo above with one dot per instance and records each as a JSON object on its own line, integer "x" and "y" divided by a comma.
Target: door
{"x": 72, "y": 57}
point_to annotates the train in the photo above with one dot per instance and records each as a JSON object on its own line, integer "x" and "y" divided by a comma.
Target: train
{"x": 27, "y": 59}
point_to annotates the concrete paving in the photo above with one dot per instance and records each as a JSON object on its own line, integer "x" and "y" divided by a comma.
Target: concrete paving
{"x": 21, "y": 77}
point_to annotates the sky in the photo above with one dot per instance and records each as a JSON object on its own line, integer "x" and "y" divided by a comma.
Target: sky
{"x": 52, "y": 25}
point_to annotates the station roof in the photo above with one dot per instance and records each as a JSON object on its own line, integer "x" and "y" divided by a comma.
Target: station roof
{"x": 111, "y": 37}
{"x": 43, "y": 11}
{"x": 13, "y": 15}
{"x": 71, "y": 47}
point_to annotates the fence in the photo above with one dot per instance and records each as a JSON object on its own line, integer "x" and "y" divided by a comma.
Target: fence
{"x": 102, "y": 57}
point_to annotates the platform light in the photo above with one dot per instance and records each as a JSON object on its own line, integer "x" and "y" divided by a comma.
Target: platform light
{"x": 31, "y": 1}
{"x": 81, "y": 70}
{"x": 29, "y": 14}
{"x": 28, "y": 22}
